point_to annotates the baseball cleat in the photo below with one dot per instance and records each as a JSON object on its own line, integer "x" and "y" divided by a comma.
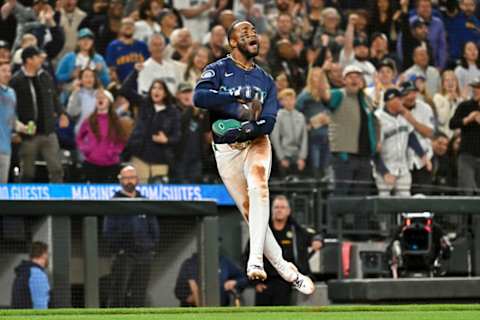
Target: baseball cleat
{"x": 302, "y": 283}
{"x": 255, "y": 272}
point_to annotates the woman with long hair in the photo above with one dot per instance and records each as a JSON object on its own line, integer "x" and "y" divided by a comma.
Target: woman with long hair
{"x": 197, "y": 60}
{"x": 84, "y": 57}
{"x": 447, "y": 101}
{"x": 469, "y": 68}
{"x": 310, "y": 103}
{"x": 151, "y": 146}
{"x": 101, "y": 140}
{"x": 81, "y": 102}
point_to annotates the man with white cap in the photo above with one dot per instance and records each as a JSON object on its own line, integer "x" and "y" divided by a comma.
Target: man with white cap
{"x": 352, "y": 134}
{"x": 467, "y": 119}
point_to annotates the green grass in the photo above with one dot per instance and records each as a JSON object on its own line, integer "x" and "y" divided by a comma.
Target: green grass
{"x": 404, "y": 312}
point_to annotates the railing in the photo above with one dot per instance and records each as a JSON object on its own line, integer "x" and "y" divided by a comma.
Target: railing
{"x": 78, "y": 250}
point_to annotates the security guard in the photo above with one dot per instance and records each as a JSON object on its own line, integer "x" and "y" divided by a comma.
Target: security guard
{"x": 295, "y": 241}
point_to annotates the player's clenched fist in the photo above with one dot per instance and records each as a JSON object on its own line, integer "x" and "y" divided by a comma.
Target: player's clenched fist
{"x": 250, "y": 111}
{"x": 250, "y": 99}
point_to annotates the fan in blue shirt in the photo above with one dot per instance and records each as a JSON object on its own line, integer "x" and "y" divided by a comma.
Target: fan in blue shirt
{"x": 123, "y": 53}
{"x": 8, "y": 104}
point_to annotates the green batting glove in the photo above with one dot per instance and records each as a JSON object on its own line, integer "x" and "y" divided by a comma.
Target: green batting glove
{"x": 223, "y": 127}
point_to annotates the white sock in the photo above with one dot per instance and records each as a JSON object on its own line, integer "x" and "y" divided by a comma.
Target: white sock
{"x": 273, "y": 252}
{"x": 258, "y": 223}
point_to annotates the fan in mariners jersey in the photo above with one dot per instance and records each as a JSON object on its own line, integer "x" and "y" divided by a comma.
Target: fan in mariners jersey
{"x": 396, "y": 136}
{"x": 420, "y": 116}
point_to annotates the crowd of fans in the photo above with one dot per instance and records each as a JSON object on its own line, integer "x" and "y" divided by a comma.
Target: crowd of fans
{"x": 112, "y": 82}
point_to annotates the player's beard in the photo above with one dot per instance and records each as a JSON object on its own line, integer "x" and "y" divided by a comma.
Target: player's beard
{"x": 243, "y": 48}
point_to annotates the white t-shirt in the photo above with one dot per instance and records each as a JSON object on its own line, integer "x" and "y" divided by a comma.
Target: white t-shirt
{"x": 169, "y": 71}
{"x": 466, "y": 76}
{"x": 84, "y": 62}
{"x": 423, "y": 113}
{"x": 368, "y": 69}
{"x": 198, "y": 25}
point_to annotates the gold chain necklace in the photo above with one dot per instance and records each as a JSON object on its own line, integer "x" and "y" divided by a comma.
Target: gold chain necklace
{"x": 241, "y": 65}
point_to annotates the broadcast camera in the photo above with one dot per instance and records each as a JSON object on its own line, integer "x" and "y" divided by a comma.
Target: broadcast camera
{"x": 418, "y": 247}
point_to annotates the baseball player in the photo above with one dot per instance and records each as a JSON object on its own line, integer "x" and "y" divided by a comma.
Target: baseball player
{"x": 396, "y": 136}
{"x": 242, "y": 101}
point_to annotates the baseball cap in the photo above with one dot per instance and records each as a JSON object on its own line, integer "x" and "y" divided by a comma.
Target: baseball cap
{"x": 351, "y": 69}
{"x": 407, "y": 87}
{"x": 29, "y": 52}
{"x": 4, "y": 45}
{"x": 390, "y": 94}
{"x": 184, "y": 87}
{"x": 360, "y": 42}
{"x": 418, "y": 22}
{"x": 85, "y": 33}
{"x": 417, "y": 76}
{"x": 475, "y": 83}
